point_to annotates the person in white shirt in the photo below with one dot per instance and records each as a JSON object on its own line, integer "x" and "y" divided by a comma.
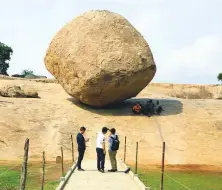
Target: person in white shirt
{"x": 101, "y": 149}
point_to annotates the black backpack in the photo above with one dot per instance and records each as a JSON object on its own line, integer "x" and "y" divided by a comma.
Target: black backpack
{"x": 115, "y": 144}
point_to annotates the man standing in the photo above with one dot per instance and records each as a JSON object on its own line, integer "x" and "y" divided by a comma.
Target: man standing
{"x": 81, "y": 141}
{"x": 101, "y": 149}
{"x": 113, "y": 147}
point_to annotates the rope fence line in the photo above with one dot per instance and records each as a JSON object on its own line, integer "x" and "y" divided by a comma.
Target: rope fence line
{"x": 144, "y": 174}
{"x": 54, "y": 165}
{"x": 175, "y": 180}
{"x": 10, "y": 169}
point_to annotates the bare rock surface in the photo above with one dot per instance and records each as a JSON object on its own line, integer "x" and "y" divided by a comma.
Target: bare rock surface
{"x": 191, "y": 128}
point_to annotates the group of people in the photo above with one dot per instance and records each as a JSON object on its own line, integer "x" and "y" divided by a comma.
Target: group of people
{"x": 149, "y": 109}
{"x": 113, "y": 142}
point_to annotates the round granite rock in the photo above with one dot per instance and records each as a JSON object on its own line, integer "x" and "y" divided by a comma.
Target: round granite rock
{"x": 100, "y": 58}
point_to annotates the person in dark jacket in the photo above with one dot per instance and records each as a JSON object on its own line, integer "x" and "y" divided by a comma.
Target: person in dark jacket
{"x": 149, "y": 108}
{"x": 81, "y": 141}
{"x": 159, "y": 110}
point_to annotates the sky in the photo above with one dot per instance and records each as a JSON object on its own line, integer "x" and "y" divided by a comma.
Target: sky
{"x": 185, "y": 36}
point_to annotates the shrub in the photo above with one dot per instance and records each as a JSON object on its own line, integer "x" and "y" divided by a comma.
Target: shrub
{"x": 27, "y": 72}
{"x": 219, "y": 77}
{"x": 5, "y": 57}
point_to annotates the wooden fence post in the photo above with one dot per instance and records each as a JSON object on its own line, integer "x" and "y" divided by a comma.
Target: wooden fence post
{"x": 24, "y": 166}
{"x": 62, "y": 162}
{"x": 136, "y": 167}
{"x": 73, "y": 159}
{"x": 124, "y": 159}
{"x": 163, "y": 162}
{"x": 43, "y": 170}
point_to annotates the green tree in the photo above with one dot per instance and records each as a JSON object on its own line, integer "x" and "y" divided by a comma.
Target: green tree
{"x": 5, "y": 56}
{"x": 219, "y": 77}
{"x": 27, "y": 72}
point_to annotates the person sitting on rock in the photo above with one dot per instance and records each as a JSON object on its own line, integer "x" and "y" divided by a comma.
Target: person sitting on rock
{"x": 149, "y": 108}
{"x": 159, "y": 110}
{"x": 157, "y": 103}
{"x": 137, "y": 109}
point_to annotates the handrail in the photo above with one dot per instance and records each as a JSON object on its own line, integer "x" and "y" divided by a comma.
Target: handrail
{"x": 67, "y": 177}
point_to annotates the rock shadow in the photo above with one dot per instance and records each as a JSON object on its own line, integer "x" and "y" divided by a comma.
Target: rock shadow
{"x": 170, "y": 106}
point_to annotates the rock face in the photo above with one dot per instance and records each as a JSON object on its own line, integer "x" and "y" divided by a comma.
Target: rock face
{"x": 18, "y": 92}
{"x": 100, "y": 58}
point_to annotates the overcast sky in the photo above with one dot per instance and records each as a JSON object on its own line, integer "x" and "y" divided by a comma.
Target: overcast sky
{"x": 185, "y": 36}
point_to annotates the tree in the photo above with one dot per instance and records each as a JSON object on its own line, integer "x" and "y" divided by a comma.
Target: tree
{"x": 27, "y": 72}
{"x": 5, "y": 56}
{"x": 219, "y": 77}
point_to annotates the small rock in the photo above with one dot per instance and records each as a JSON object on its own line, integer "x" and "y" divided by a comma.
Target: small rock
{"x": 18, "y": 92}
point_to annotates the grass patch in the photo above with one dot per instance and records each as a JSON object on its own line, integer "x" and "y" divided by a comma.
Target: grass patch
{"x": 192, "y": 180}
{"x": 10, "y": 180}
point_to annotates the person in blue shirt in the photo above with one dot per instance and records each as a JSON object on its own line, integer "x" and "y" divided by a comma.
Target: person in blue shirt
{"x": 81, "y": 141}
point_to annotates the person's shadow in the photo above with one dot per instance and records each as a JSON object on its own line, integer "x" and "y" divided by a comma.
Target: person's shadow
{"x": 124, "y": 108}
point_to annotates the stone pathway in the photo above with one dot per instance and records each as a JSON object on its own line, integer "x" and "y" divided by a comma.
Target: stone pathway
{"x": 91, "y": 179}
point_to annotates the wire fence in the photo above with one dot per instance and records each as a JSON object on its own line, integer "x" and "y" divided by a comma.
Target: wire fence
{"x": 43, "y": 174}
{"x": 160, "y": 176}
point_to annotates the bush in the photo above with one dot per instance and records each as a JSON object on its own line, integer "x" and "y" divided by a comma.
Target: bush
{"x": 27, "y": 72}
{"x": 5, "y": 57}
{"x": 219, "y": 77}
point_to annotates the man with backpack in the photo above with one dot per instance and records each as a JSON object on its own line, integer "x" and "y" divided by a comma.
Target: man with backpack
{"x": 113, "y": 147}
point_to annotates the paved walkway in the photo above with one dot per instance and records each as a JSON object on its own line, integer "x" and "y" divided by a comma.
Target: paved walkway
{"x": 91, "y": 179}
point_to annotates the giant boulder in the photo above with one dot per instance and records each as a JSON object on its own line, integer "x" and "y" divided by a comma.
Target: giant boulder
{"x": 100, "y": 58}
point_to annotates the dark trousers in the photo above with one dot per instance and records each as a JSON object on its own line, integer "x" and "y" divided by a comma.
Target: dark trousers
{"x": 80, "y": 158}
{"x": 100, "y": 158}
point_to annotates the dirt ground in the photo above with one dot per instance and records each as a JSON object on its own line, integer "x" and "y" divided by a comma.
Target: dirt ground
{"x": 192, "y": 129}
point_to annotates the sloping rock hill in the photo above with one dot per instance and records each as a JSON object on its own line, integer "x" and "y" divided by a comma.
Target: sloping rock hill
{"x": 192, "y": 129}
